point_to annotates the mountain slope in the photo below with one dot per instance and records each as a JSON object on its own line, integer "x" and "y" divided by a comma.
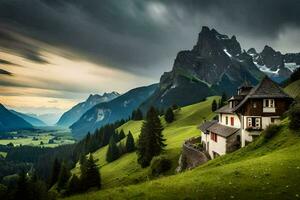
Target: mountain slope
{"x": 216, "y": 64}
{"x": 262, "y": 170}
{"x": 74, "y": 114}
{"x": 11, "y": 122}
{"x": 126, "y": 170}
{"x": 108, "y": 112}
{"x": 32, "y": 120}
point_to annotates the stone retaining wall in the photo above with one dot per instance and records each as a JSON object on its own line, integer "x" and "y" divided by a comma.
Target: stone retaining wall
{"x": 192, "y": 156}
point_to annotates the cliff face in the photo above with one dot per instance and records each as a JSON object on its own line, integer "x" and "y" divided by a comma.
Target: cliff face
{"x": 215, "y": 64}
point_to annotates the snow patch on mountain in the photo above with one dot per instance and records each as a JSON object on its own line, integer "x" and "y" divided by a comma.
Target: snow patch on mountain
{"x": 265, "y": 69}
{"x": 100, "y": 115}
{"x": 291, "y": 66}
{"x": 227, "y": 53}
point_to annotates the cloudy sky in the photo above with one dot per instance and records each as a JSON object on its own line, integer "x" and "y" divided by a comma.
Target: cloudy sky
{"x": 53, "y": 53}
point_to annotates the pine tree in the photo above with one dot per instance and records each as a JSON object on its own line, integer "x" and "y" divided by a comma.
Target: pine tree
{"x": 63, "y": 177}
{"x": 137, "y": 115}
{"x": 130, "y": 146}
{"x": 83, "y": 172}
{"x": 73, "y": 185}
{"x": 151, "y": 141}
{"x": 113, "y": 151}
{"x": 22, "y": 186}
{"x": 214, "y": 105}
{"x": 121, "y": 135}
{"x": 223, "y": 100}
{"x": 93, "y": 174}
{"x": 169, "y": 115}
{"x": 55, "y": 172}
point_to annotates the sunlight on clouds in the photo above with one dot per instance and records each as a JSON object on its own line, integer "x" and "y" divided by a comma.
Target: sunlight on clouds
{"x": 60, "y": 83}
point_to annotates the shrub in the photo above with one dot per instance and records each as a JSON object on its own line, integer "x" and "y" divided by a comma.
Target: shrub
{"x": 159, "y": 165}
{"x": 271, "y": 131}
{"x": 294, "y": 116}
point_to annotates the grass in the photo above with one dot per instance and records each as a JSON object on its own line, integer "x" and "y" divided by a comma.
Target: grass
{"x": 126, "y": 170}
{"x": 265, "y": 169}
{"x": 3, "y": 154}
{"x": 62, "y": 137}
{"x": 293, "y": 89}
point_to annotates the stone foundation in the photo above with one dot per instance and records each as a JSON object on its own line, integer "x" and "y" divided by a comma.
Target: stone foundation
{"x": 192, "y": 156}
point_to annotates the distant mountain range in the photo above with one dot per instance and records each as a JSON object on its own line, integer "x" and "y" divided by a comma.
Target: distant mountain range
{"x": 217, "y": 64}
{"x": 30, "y": 119}
{"x": 111, "y": 111}
{"x": 276, "y": 65}
{"x": 11, "y": 122}
{"x": 74, "y": 114}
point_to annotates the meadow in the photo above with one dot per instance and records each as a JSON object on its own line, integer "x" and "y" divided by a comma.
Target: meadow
{"x": 45, "y": 136}
{"x": 126, "y": 170}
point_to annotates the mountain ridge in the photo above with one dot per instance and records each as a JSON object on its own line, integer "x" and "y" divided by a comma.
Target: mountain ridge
{"x": 11, "y": 122}
{"x": 30, "y": 119}
{"x": 74, "y": 114}
{"x": 111, "y": 111}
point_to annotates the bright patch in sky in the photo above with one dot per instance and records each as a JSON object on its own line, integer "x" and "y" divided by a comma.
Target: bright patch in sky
{"x": 59, "y": 84}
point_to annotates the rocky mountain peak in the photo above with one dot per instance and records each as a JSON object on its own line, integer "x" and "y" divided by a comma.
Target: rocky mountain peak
{"x": 252, "y": 51}
{"x": 212, "y": 43}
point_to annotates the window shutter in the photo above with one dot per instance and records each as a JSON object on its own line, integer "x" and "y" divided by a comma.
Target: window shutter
{"x": 257, "y": 122}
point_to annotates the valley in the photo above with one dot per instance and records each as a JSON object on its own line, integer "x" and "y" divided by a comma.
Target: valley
{"x": 41, "y": 137}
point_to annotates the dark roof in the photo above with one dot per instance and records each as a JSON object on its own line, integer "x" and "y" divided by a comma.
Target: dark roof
{"x": 265, "y": 89}
{"x": 225, "y": 109}
{"x": 204, "y": 126}
{"x": 224, "y": 131}
{"x": 245, "y": 84}
{"x": 236, "y": 97}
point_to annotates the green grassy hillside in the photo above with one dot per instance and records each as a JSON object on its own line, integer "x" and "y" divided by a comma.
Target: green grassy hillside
{"x": 262, "y": 170}
{"x": 293, "y": 89}
{"x": 126, "y": 170}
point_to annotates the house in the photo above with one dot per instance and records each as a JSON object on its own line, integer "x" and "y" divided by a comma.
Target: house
{"x": 244, "y": 117}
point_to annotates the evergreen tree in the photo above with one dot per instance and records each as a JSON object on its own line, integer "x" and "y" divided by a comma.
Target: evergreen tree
{"x": 73, "y": 185}
{"x": 175, "y": 106}
{"x": 93, "y": 174}
{"x": 121, "y": 135}
{"x": 83, "y": 172}
{"x": 63, "y": 177}
{"x": 169, "y": 115}
{"x": 223, "y": 100}
{"x": 137, "y": 115}
{"x": 113, "y": 151}
{"x": 151, "y": 141}
{"x": 130, "y": 146}
{"x": 55, "y": 172}
{"x": 22, "y": 186}
{"x": 122, "y": 148}
{"x": 214, "y": 105}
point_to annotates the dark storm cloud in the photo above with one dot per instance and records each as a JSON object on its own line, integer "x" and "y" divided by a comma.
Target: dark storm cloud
{"x": 142, "y": 37}
{"x": 4, "y": 72}
{"x": 6, "y": 62}
{"x": 11, "y": 41}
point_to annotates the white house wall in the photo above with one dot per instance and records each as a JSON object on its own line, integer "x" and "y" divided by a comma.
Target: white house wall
{"x": 218, "y": 147}
{"x": 237, "y": 123}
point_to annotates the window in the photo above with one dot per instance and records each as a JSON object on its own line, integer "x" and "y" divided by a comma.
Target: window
{"x": 214, "y": 137}
{"x": 254, "y": 122}
{"x": 232, "y": 121}
{"x": 226, "y": 119}
{"x": 269, "y": 103}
